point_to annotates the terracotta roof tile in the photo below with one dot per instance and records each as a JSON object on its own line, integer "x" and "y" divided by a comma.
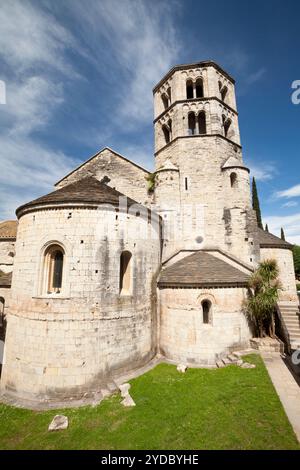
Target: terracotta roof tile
{"x": 202, "y": 270}
{"x": 268, "y": 240}
{"x": 87, "y": 190}
{"x": 8, "y": 229}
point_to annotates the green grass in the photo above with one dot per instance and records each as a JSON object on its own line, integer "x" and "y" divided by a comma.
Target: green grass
{"x": 229, "y": 408}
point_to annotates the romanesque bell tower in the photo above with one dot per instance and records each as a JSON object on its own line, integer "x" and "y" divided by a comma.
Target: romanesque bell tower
{"x": 202, "y": 184}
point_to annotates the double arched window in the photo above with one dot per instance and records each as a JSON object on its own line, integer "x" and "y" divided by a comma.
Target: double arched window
{"x": 166, "y": 98}
{"x": 125, "y": 273}
{"x": 194, "y": 89}
{"x": 53, "y": 269}
{"x": 197, "y": 124}
{"x": 223, "y": 91}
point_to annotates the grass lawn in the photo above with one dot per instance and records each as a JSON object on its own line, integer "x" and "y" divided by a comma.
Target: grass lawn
{"x": 229, "y": 408}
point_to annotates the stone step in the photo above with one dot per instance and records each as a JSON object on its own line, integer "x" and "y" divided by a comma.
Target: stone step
{"x": 232, "y": 358}
{"x": 293, "y": 322}
{"x": 226, "y": 361}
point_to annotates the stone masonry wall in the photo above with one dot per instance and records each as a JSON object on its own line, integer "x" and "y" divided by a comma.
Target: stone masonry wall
{"x": 285, "y": 262}
{"x": 185, "y": 338}
{"x": 67, "y": 345}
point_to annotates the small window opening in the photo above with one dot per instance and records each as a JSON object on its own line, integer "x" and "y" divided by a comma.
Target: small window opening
{"x": 192, "y": 123}
{"x": 166, "y": 134}
{"x": 186, "y": 183}
{"x": 125, "y": 273}
{"x": 206, "y": 310}
{"x": 54, "y": 264}
{"x": 233, "y": 180}
{"x": 199, "y": 88}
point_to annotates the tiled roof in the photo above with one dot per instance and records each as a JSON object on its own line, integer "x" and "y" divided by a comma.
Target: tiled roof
{"x": 5, "y": 279}
{"x": 202, "y": 269}
{"x": 233, "y": 162}
{"x": 8, "y": 229}
{"x": 268, "y": 240}
{"x": 87, "y": 190}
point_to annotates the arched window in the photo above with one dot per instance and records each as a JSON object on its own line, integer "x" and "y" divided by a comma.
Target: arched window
{"x": 192, "y": 123}
{"x": 224, "y": 93}
{"x": 206, "y": 311}
{"x": 54, "y": 262}
{"x": 2, "y": 304}
{"x": 165, "y": 101}
{"x": 167, "y": 134}
{"x": 199, "y": 88}
{"x": 233, "y": 180}
{"x": 189, "y": 90}
{"x": 125, "y": 273}
{"x": 202, "y": 122}
{"x": 226, "y": 125}
{"x": 169, "y": 95}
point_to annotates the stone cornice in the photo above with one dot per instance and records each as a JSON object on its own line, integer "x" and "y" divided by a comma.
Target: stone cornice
{"x": 193, "y": 100}
{"x": 202, "y": 64}
{"x": 201, "y": 136}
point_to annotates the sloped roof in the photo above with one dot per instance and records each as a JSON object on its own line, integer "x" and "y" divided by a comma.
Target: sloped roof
{"x": 233, "y": 162}
{"x": 8, "y": 229}
{"x": 97, "y": 155}
{"x": 5, "y": 279}
{"x": 268, "y": 240}
{"x": 87, "y": 190}
{"x": 202, "y": 269}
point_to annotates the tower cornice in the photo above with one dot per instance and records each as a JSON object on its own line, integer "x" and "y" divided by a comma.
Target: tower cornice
{"x": 202, "y": 64}
{"x": 195, "y": 100}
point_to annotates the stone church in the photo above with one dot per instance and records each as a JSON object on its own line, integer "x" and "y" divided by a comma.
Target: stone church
{"x": 118, "y": 265}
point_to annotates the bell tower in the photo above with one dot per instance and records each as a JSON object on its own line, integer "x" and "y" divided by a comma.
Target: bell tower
{"x": 200, "y": 175}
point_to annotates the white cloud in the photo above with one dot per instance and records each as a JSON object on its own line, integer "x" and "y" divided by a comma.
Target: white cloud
{"x": 290, "y": 224}
{"x": 263, "y": 171}
{"x": 142, "y": 43}
{"x": 294, "y": 191}
{"x": 31, "y": 37}
{"x": 290, "y": 204}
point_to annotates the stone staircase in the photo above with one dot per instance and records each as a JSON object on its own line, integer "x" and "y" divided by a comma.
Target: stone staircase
{"x": 290, "y": 315}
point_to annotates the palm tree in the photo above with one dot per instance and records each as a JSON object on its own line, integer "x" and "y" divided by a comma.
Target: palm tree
{"x": 263, "y": 295}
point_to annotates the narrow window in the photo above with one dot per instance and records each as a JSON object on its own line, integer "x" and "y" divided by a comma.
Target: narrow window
{"x": 166, "y": 133}
{"x": 233, "y": 180}
{"x": 186, "y": 183}
{"x": 199, "y": 88}
{"x": 191, "y": 124}
{"x": 125, "y": 273}
{"x": 189, "y": 90}
{"x": 169, "y": 95}
{"x": 226, "y": 125}
{"x": 206, "y": 311}
{"x": 202, "y": 122}
{"x": 2, "y": 304}
{"x": 165, "y": 101}
{"x": 170, "y": 128}
{"x": 54, "y": 261}
{"x": 224, "y": 93}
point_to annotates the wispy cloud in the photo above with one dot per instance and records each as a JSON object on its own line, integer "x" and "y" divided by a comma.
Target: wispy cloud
{"x": 135, "y": 45}
{"x": 294, "y": 191}
{"x": 290, "y": 223}
{"x": 290, "y": 204}
{"x": 263, "y": 171}
{"x": 128, "y": 44}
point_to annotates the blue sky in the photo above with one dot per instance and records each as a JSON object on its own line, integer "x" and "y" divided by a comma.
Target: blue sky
{"x": 79, "y": 76}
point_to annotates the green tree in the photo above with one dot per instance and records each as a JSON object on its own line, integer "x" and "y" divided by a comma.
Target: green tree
{"x": 262, "y": 298}
{"x": 267, "y": 228}
{"x": 255, "y": 203}
{"x": 296, "y": 254}
{"x": 282, "y": 235}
